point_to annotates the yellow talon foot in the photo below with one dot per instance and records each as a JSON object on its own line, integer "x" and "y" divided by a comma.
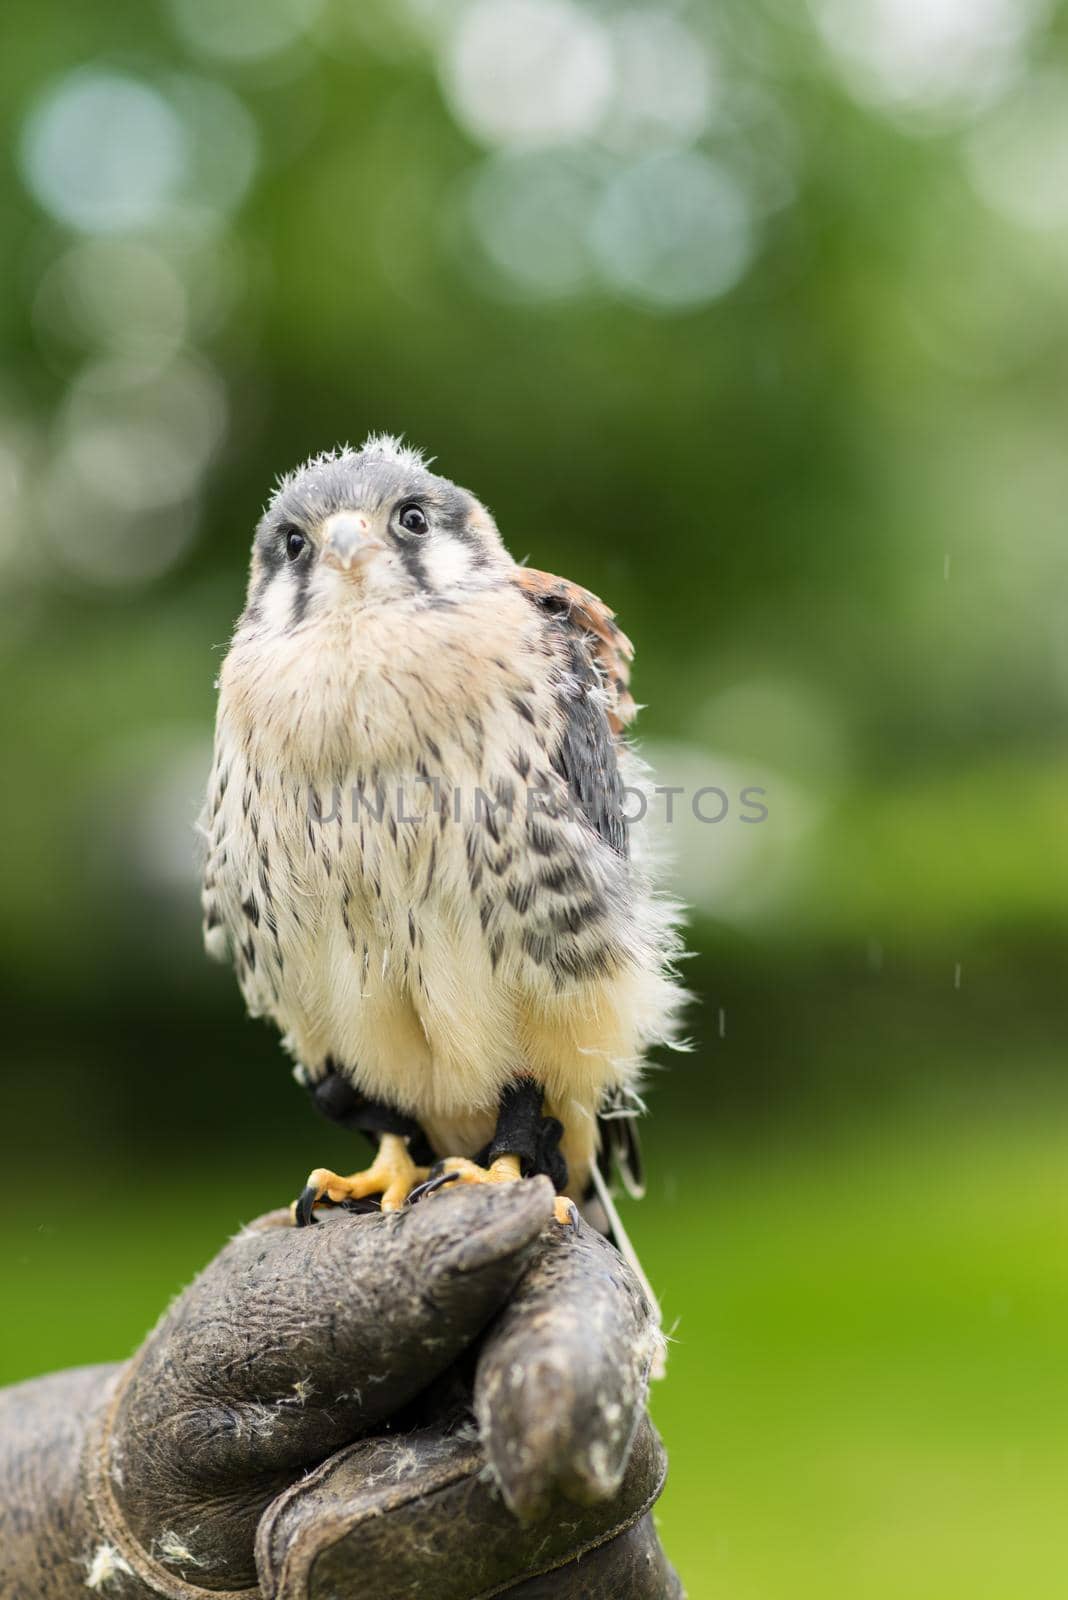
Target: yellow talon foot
{"x": 392, "y": 1174}
{"x": 505, "y": 1169}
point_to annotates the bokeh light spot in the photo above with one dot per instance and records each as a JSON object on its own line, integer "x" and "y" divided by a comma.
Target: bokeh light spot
{"x": 530, "y": 213}
{"x": 103, "y": 544}
{"x": 130, "y": 452}
{"x": 243, "y": 30}
{"x": 103, "y": 152}
{"x": 528, "y": 71}
{"x": 737, "y": 872}
{"x": 1018, "y": 157}
{"x": 947, "y": 56}
{"x": 112, "y": 295}
{"x": 152, "y": 788}
{"x": 673, "y": 231}
{"x": 664, "y": 80}
{"x": 223, "y": 145}
{"x": 146, "y": 440}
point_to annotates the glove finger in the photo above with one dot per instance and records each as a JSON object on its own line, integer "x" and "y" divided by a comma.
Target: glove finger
{"x": 563, "y": 1374}
{"x": 405, "y": 1517}
{"x": 292, "y": 1343}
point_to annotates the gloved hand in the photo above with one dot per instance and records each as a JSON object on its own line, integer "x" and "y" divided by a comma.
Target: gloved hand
{"x": 440, "y": 1404}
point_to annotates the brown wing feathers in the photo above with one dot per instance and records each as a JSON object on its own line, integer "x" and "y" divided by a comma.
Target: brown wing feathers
{"x": 612, "y": 650}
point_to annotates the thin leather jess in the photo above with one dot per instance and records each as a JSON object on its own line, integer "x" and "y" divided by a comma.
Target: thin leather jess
{"x": 111, "y": 1522}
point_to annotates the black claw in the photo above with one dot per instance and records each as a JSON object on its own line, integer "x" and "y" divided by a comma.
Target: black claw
{"x": 305, "y": 1208}
{"x": 436, "y": 1182}
{"x": 576, "y": 1221}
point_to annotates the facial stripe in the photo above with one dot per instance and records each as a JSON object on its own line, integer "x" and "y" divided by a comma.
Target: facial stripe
{"x": 410, "y": 551}
{"x": 300, "y": 580}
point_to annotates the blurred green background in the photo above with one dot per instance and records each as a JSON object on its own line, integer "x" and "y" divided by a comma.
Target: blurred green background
{"x": 752, "y": 318}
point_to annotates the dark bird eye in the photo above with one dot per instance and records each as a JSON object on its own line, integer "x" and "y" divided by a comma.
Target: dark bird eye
{"x": 295, "y": 542}
{"x": 413, "y": 519}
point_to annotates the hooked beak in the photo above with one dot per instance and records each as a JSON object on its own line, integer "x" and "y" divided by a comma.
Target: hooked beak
{"x": 348, "y": 541}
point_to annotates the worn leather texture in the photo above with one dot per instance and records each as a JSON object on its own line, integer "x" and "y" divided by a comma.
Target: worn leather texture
{"x": 44, "y": 1526}
{"x": 380, "y": 1508}
{"x": 632, "y": 1566}
{"x": 569, "y": 1420}
{"x": 301, "y": 1424}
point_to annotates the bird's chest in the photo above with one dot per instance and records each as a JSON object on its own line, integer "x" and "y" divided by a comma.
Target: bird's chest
{"x": 336, "y": 891}
{"x": 372, "y": 865}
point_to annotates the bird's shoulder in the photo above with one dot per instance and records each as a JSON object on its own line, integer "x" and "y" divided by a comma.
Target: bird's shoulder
{"x": 582, "y": 613}
{"x": 595, "y": 704}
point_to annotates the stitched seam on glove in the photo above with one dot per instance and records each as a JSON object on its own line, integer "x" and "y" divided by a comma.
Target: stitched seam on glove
{"x": 112, "y": 1524}
{"x": 296, "y": 1572}
{"x": 297, "y": 1563}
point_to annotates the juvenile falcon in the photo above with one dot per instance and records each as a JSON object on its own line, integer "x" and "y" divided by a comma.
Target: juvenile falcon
{"x": 419, "y": 858}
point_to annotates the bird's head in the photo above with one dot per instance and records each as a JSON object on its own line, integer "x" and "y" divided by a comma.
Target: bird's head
{"x": 364, "y": 527}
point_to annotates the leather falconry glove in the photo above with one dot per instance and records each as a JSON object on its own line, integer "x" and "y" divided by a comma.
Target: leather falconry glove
{"x": 440, "y": 1404}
